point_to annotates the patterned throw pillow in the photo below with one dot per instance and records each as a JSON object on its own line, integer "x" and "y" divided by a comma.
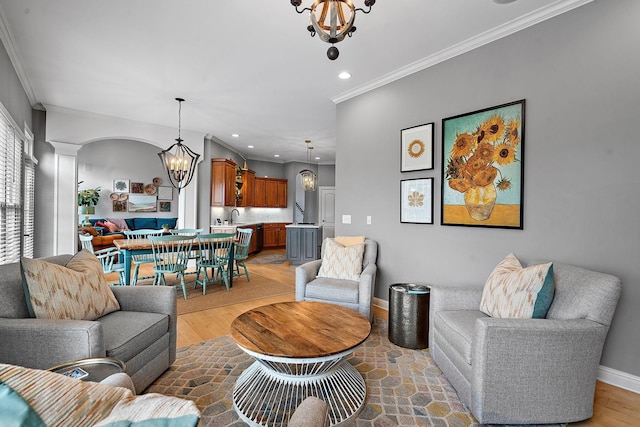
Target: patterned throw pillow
{"x": 60, "y": 400}
{"x": 120, "y": 223}
{"x": 515, "y": 292}
{"x": 76, "y": 291}
{"x": 340, "y": 262}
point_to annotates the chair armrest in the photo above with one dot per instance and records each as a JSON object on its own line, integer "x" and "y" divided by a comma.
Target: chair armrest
{"x": 556, "y": 361}
{"x": 305, "y": 273}
{"x": 151, "y": 299}
{"x": 365, "y": 290}
{"x": 451, "y": 298}
{"x": 43, "y": 343}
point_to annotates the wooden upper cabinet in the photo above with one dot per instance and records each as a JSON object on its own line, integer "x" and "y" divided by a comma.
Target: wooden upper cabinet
{"x": 223, "y": 182}
{"x": 269, "y": 193}
{"x": 276, "y": 193}
{"x": 259, "y": 193}
{"x": 248, "y": 189}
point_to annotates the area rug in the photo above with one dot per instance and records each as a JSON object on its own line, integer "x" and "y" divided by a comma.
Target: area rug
{"x": 404, "y": 387}
{"x": 267, "y": 259}
{"x": 217, "y": 295}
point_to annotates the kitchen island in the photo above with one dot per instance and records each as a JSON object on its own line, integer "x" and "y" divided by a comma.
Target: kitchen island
{"x": 304, "y": 242}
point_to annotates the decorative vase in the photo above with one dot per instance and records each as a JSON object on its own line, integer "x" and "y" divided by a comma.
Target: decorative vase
{"x": 84, "y": 210}
{"x": 480, "y": 201}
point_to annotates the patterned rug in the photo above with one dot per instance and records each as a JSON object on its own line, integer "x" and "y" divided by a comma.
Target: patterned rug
{"x": 404, "y": 387}
{"x": 267, "y": 259}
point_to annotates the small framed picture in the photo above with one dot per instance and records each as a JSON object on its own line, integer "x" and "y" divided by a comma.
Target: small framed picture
{"x": 140, "y": 203}
{"x": 121, "y": 185}
{"x": 165, "y": 206}
{"x": 416, "y": 201}
{"x": 165, "y": 193}
{"x": 416, "y": 145}
{"x": 136, "y": 188}
{"x": 119, "y": 205}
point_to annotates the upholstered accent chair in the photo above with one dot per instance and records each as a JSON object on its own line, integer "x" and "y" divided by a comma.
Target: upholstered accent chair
{"x": 525, "y": 371}
{"x": 355, "y": 293}
{"x": 142, "y": 333}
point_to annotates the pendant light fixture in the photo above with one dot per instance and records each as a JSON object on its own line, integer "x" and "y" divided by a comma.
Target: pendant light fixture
{"x": 309, "y": 178}
{"x": 179, "y": 160}
{"x": 332, "y": 20}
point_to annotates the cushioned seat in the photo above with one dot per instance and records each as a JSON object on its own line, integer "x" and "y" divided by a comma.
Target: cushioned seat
{"x": 128, "y": 333}
{"x": 336, "y": 290}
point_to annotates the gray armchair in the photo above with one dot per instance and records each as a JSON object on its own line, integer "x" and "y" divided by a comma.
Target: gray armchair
{"x": 142, "y": 333}
{"x": 525, "y": 371}
{"x": 357, "y": 295}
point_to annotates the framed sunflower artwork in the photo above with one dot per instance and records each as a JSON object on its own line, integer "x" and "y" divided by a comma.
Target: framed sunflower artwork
{"x": 416, "y": 148}
{"x": 482, "y": 167}
{"x": 416, "y": 201}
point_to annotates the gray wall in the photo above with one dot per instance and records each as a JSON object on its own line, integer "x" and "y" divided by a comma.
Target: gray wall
{"x": 12, "y": 95}
{"x": 580, "y": 76}
{"x": 100, "y": 162}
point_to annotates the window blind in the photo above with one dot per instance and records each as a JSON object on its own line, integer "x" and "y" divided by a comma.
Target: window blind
{"x": 10, "y": 191}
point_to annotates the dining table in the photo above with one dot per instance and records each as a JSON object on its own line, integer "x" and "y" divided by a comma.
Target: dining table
{"x": 130, "y": 247}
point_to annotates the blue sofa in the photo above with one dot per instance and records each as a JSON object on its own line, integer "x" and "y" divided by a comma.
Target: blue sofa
{"x": 139, "y": 223}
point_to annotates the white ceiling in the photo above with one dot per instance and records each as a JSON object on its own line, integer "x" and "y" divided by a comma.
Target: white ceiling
{"x": 244, "y": 66}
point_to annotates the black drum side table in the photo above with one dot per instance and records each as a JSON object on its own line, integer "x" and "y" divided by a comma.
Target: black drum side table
{"x": 409, "y": 315}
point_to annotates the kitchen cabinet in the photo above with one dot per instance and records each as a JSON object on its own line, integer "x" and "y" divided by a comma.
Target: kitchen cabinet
{"x": 303, "y": 243}
{"x": 276, "y": 193}
{"x": 259, "y": 193}
{"x": 275, "y": 234}
{"x": 247, "y": 191}
{"x": 253, "y": 244}
{"x": 223, "y": 182}
{"x": 271, "y": 193}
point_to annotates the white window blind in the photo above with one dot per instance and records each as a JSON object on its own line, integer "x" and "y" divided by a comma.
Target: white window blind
{"x": 28, "y": 210}
{"x": 10, "y": 191}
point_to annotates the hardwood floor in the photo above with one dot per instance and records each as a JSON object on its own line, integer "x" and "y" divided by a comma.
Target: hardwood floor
{"x": 613, "y": 406}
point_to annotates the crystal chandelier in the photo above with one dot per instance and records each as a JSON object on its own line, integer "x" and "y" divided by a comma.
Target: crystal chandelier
{"x": 332, "y": 20}
{"x": 181, "y": 164}
{"x": 309, "y": 178}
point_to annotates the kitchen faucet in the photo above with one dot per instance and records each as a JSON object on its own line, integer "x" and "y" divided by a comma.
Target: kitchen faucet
{"x": 231, "y": 216}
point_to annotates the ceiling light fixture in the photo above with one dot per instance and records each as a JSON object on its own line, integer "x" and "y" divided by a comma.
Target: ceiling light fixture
{"x": 344, "y": 75}
{"x": 309, "y": 178}
{"x": 332, "y": 20}
{"x": 181, "y": 164}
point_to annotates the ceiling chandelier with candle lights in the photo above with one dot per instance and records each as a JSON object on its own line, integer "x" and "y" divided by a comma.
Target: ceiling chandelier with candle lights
{"x": 179, "y": 160}
{"x": 332, "y": 20}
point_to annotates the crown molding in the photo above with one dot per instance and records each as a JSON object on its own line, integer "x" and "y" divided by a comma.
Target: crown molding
{"x": 9, "y": 45}
{"x": 504, "y": 30}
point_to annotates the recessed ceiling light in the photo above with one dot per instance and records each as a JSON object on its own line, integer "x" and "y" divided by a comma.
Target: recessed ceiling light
{"x": 249, "y": 146}
{"x": 276, "y": 155}
{"x": 317, "y": 158}
{"x": 235, "y": 135}
{"x": 344, "y": 75}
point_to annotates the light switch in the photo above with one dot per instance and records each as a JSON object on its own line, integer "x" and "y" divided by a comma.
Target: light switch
{"x": 346, "y": 219}
{"x": 368, "y": 219}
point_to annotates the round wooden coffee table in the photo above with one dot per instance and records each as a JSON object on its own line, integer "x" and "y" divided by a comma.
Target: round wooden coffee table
{"x": 300, "y": 349}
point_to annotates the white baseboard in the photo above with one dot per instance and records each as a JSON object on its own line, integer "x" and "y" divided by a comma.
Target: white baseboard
{"x": 619, "y": 379}
{"x": 606, "y": 375}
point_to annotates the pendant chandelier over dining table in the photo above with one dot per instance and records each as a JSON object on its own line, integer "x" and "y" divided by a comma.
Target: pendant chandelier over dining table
{"x": 181, "y": 163}
{"x": 332, "y": 20}
{"x": 308, "y": 177}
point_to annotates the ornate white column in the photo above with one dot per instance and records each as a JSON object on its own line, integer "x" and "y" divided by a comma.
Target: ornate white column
{"x": 65, "y": 218}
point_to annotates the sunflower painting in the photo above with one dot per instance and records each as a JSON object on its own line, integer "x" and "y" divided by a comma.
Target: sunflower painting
{"x": 416, "y": 148}
{"x": 482, "y": 167}
{"x": 416, "y": 201}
